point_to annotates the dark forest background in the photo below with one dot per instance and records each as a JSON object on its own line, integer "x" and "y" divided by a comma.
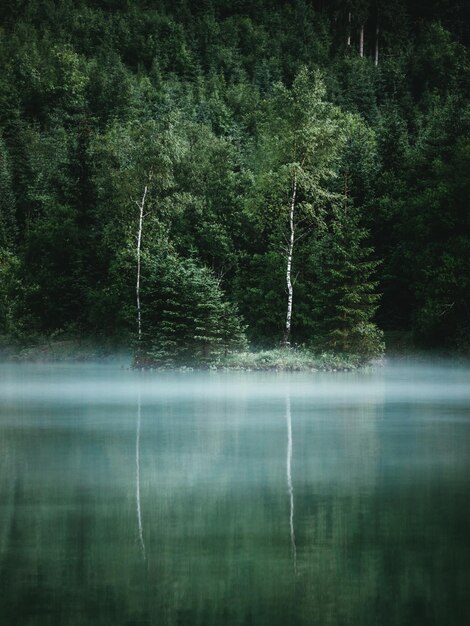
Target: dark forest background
{"x": 208, "y": 105}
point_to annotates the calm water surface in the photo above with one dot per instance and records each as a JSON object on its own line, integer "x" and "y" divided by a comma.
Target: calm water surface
{"x": 234, "y": 498}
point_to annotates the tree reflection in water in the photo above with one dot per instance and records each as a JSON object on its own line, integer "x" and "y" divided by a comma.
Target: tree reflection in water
{"x": 290, "y": 487}
{"x": 137, "y": 477}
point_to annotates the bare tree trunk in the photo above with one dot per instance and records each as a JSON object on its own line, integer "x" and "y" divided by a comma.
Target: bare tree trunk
{"x": 141, "y": 206}
{"x": 376, "y": 60}
{"x": 290, "y": 250}
{"x": 361, "y": 41}
{"x": 349, "y": 28}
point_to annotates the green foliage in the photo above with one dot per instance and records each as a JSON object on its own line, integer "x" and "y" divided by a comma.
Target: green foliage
{"x": 301, "y": 130}
{"x": 259, "y": 292}
{"x": 110, "y": 89}
{"x": 357, "y": 91}
{"x": 359, "y": 162}
{"x": 215, "y": 107}
{"x": 7, "y": 201}
{"x": 345, "y": 298}
{"x": 439, "y": 61}
{"x": 185, "y": 316}
{"x": 438, "y": 215}
{"x": 9, "y": 293}
{"x": 301, "y": 136}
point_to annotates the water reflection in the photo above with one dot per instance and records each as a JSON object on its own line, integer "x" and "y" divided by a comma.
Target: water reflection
{"x": 234, "y": 481}
{"x": 137, "y": 476}
{"x": 289, "y": 482}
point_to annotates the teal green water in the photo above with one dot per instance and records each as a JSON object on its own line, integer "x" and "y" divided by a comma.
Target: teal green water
{"x": 226, "y": 498}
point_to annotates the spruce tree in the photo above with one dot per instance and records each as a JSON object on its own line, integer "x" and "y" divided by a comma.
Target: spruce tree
{"x": 345, "y": 297}
{"x": 7, "y": 200}
{"x": 188, "y": 318}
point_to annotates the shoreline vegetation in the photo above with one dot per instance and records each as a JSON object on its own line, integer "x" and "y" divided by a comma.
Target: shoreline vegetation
{"x": 281, "y": 359}
{"x": 275, "y": 359}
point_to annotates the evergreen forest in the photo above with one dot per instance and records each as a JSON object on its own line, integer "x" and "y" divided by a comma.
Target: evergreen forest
{"x": 193, "y": 177}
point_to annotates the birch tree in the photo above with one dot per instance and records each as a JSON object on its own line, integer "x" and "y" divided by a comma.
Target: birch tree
{"x": 139, "y": 160}
{"x": 141, "y": 207}
{"x": 301, "y": 138}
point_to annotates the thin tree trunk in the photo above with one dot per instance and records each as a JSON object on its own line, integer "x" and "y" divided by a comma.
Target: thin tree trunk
{"x": 290, "y": 250}
{"x": 141, "y": 206}
{"x": 376, "y": 60}
{"x": 349, "y": 28}
{"x": 361, "y": 41}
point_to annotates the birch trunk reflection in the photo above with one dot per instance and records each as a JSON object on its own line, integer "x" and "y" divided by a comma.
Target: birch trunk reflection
{"x": 290, "y": 488}
{"x": 137, "y": 477}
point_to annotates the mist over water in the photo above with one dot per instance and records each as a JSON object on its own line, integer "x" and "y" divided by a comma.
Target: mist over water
{"x": 234, "y": 498}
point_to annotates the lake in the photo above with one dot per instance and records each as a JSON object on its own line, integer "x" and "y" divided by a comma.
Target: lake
{"x": 223, "y": 498}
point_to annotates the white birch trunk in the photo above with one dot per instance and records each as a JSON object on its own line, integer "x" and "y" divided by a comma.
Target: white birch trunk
{"x": 361, "y": 41}
{"x": 141, "y": 206}
{"x": 349, "y": 28}
{"x": 290, "y": 250}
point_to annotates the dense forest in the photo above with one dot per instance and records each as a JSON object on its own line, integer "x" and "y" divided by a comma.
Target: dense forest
{"x": 196, "y": 176}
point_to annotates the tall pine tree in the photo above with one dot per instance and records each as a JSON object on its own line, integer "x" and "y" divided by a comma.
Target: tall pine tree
{"x": 345, "y": 297}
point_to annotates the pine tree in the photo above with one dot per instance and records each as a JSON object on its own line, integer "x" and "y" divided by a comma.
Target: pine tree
{"x": 7, "y": 200}
{"x": 346, "y": 297}
{"x": 9, "y": 261}
{"x": 188, "y": 318}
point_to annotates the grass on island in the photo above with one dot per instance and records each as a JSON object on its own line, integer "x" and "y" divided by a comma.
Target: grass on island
{"x": 289, "y": 360}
